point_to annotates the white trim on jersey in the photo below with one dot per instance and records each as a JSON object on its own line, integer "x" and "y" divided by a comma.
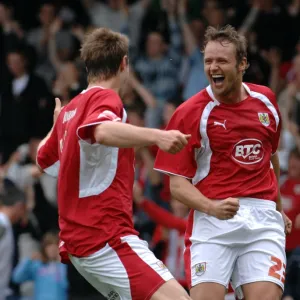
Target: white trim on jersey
{"x": 53, "y": 170}
{"x": 98, "y": 165}
{"x": 170, "y": 173}
{"x": 92, "y": 87}
{"x": 203, "y": 156}
{"x": 211, "y": 94}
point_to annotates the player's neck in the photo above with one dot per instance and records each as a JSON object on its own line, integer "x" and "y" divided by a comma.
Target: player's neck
{"x": 112, "y": 84}
{"x": 238, "y": 94}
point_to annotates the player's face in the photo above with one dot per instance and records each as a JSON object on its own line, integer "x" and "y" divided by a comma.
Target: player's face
{"x": 221, "y": 68}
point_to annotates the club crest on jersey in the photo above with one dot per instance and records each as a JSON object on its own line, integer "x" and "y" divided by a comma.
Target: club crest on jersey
{"x": 264, "y": 118}
{"x": 200, "y": 268}
{"x": 161, "y": 264}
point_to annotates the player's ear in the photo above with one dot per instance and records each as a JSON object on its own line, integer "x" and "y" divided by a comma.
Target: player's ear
{"x": 243, "y": 65}
{"x": 124, "y": 63}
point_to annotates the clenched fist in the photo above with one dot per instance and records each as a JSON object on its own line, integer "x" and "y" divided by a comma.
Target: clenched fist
{"x": 172, "y": 141}
{"x": 225, "y": 209}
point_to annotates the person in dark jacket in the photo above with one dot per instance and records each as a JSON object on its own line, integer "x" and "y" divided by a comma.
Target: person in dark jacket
{"x": 26, "y": 105}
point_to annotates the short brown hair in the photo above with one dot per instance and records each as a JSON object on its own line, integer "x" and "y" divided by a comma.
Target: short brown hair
{"x": 50, "y": 238}
{"x": 102, "y": 53}
{"x": 227, "y": 34}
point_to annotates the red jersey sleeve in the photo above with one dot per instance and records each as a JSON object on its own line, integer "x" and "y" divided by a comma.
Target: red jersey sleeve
{"x": 182, "y": 163}
{"x": 105, "y": 105}
{"x": 48, "y": 155}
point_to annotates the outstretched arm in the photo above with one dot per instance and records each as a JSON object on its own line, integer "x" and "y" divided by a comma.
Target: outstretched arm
{"x": 122, "y": 135}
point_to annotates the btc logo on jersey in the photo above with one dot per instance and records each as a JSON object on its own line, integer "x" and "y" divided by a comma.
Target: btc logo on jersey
{"x": 248, "y": 151}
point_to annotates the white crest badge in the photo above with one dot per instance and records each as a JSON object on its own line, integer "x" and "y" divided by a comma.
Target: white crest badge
{"x": 264, "y": 118}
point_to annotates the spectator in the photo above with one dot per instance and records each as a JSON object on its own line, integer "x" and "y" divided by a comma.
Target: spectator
{"x": 62, "y": 45}
{"x": 290, "y": 194}
{"x": 119, "y": 16}
{"x": 193, "y": 35}
{"x": 159, "y": 67}
{"x": 48, "y": 274}
{"x": 11, "y": 36}
{"x": 289, "y": 102}
{"x": 11, "y": 29}
{"x": 12, "y": 209}
{"x": 39, "y": 39}
{"x": 25, "y": 105}
{"x": 135, "y": 92}
{"x": 68, "y": 83}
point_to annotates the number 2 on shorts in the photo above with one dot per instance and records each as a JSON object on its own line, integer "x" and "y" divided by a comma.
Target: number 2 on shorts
{"x": 276, "y": 270}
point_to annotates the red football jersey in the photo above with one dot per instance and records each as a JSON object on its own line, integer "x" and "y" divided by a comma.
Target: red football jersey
{"x": 230, "y": 149}
{"x": 94, "y": 181}
{"x": 290, "y": 195}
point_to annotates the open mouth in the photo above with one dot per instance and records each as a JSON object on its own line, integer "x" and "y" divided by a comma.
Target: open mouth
{"x": 218, "y": 79}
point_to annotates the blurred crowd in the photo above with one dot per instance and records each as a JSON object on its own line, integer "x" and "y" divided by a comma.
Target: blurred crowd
{"x": 40, "y": 48}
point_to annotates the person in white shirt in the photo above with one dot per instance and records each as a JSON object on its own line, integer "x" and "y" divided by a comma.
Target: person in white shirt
{"x": 12, "y": 209}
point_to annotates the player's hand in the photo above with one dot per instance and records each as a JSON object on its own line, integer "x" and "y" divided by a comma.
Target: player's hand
{"x": 225, "y": 209}
{"x": 172, "y": 141}
{"x": 287, "y": 223}
{"x": 57, "y": 109}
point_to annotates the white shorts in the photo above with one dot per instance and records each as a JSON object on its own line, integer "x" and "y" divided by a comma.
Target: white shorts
{"x": 126, "y": 271}
{"x": 248, "y": 248}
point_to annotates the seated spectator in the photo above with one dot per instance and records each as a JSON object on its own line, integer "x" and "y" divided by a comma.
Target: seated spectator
{"x": 45, "y": 269}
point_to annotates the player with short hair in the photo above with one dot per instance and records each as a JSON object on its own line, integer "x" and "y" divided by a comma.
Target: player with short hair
{"x": 90, "y": 150}
{"x": 227, "y": 175}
